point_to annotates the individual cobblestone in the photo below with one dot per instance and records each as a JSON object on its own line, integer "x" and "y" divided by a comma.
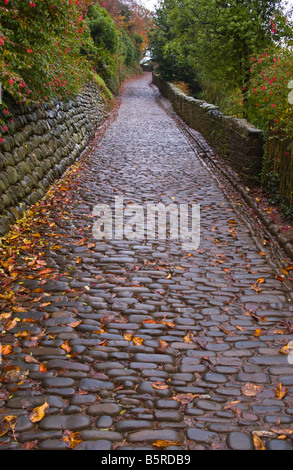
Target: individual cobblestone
{"x": 134, "y": 341}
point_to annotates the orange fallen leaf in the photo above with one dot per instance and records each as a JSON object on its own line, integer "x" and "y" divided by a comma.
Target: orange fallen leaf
{"x": 281, "y": 391}
{"x": 66, "y": 346}
{"x": 72, "y": 439}
{"x": 45, "y": 271}
{"x": 257, "y": 442}
{"x": 38, "y": 413}
{"x": 73, "y": 324}
{"x": 257, "y": 332}
{"x": 43, "y": 368}
{"x": 189, "y": 338}
{"x": 161, "y": 444}
{"x": 6, "y": 349}
{"x": 168, "y": 323}
{"x": 11, "y": 324}
{"x": 160, "y": 385}
{"x": 283, "y": 432}
{"x": 137, "y": 341}
{"x": 163, "y": 345}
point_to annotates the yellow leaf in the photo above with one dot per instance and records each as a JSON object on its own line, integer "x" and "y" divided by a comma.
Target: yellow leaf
{"x": 128, "y": 336}
{"x": 281, "y": 391}
{"x": 162, "y": 444}
{"x": 257, "y": 442}
{"x": 286, "y": 349}
{"x": 188, "y": 338}
{"x": 257, "y": 332}
{"x": 137, "y": 341}
{"x": 38, "y": 413}
{"x": 168, "y": 323}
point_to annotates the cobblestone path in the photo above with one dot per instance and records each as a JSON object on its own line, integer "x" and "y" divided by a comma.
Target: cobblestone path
{"x": 119, "y": 344}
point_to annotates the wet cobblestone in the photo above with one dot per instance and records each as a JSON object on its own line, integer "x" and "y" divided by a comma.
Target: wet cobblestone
{"x": 141, "y": 340}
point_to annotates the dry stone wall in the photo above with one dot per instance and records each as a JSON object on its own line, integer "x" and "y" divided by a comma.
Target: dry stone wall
{"x": 238, "y": 142}
{"x": 39, "y": 145}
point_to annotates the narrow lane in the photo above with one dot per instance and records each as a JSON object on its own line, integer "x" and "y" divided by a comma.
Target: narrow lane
{"x": 135, "y": 341}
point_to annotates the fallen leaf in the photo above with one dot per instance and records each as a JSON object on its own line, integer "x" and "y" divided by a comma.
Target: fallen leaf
{"x": 29, "y": 445}
{"x": 11, "y": 420}
{"x": 257, "y": 332}
{"x": 38, "y": 413}
{"x": 159, "y": 385}
{"x": 163, "y": 345}
{"x": 286, "y": 349}
{"x": 30, "y": 360}
{"x": 71, "y": 438}
{"x": 257, "y": 442}
{"x": 45, "y": 271}
{"x": 185, "y": 398}
{"x": 66, "y": 346}
{"x": 281, "y": 391}
{"x": 43, "y": 367}
{"x": 233, "y": 405}
{"x": 45, "y": 304}
{"x": 162, "y": 444}
{"x": 128, "y": 336}
{"x": 189, "y": 338}
{"x": 251, "y": 390}
{"x": 4, "y": 428}
{"x": 6, "y": 349}
{"x": 285, "y": 431}
{"x": 73, "y": 324}
{"x": 168, "y": 323}
{"x": 137, "y": 341}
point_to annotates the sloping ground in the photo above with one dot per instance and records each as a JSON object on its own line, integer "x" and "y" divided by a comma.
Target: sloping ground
{"x": 138, "y": 343}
